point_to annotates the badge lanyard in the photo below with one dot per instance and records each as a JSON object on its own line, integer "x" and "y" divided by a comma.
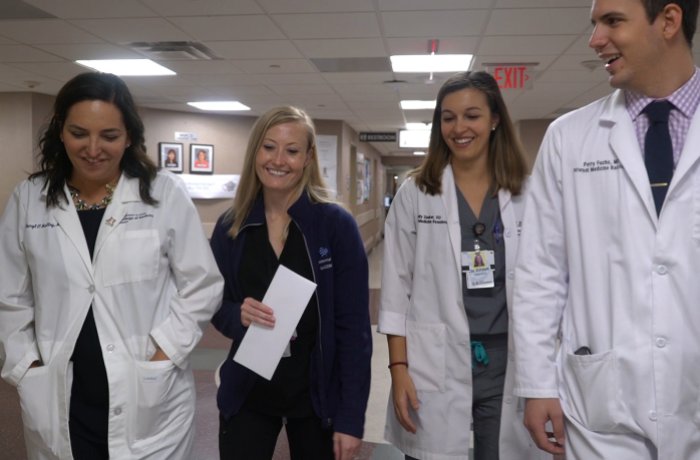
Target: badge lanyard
{"x": 478, "y": 265}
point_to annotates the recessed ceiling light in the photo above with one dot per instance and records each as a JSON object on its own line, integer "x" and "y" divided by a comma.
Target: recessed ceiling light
{"x": 219, "y": 106}
{"x": 414, "y": 139}
{"x": 431, "y": 63}
{"x": 419, "y": 126}
{"x": 417, "y": 105}
{"x": 127, "y": 67}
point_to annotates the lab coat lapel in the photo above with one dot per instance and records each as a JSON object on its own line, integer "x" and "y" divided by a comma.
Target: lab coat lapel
{"x": 67, "y": 217}
{"x": 127, "y": 191}
{"x": 449, "y": 199}
{"x": 623, "y": 142}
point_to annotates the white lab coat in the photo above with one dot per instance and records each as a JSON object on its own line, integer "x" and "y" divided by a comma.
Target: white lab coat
{"x": 422, "y": 300}
{"x": 152, "y": 281}
{"x": 595, "y": 260}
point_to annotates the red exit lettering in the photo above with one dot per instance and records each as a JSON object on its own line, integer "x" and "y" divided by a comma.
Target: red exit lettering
{"x": 511, "y": 77}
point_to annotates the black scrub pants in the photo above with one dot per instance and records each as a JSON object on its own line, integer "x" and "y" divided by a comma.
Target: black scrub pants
{"x": 250, "y": 435}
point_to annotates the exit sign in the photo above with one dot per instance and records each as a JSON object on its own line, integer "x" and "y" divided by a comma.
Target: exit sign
{"x": 511, "y": 75}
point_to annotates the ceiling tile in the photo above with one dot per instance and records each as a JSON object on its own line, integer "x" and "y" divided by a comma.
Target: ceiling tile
{"x": 74, "y": 9}
{"x": 536, "y": 21}
{"x": 275, "y": 66}
{"x": 46, "y": 31}
{"x": 90, "y": 51}
{"x": 420, "y": 45}
{"x": 170, "y": 8}
{"x": 132, "y": 29}
{"x": 341, "y": 48}
{"x": 243, "y": 27}
{"x": 315, "y": 6}
{"x": 255, "y": 49}
{"x": 525, "y": 45}
{"x": 413, "y": 5}
{"x": 434, "y": 23}
{"x": 21, "y": 53}
{"x": 346, "y": 25}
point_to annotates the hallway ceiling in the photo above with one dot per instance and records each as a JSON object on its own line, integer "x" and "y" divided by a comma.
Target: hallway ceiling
{"x": 327, "y": 56}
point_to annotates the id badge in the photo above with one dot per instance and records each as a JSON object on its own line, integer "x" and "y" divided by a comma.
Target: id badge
{"x": 478, "y": 267}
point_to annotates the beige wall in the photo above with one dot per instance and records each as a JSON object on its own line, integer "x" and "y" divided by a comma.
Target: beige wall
{"x": 18, "y": 134}
{"x": 531, "y": 134}
{"x": 23, "y": 115}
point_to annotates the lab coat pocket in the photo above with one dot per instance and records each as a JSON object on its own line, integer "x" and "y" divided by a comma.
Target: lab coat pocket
{"x": 163, "y": 396}
{"x": 130, "y": 257}
{"x": 425, "y": 348}
{"x": 593, "y": 393}
{"x": 37, "y": 398}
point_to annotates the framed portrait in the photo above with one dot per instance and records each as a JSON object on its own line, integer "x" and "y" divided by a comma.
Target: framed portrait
{"x": 170, "y": 156}
{"x": 201, "y": 159}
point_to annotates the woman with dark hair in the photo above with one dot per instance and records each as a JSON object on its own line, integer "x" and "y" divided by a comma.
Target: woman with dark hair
{"x": 105, "y": 286}
{"x": 450, "y": 242}
{"x": 283, "y": 215}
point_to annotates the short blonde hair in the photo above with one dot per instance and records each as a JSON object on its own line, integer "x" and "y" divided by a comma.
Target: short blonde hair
{"x": 249, "y": 186}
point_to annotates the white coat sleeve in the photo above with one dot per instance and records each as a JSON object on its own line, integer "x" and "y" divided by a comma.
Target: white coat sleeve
{"x": 196, "y": 276}
{"x": 18, "y": 347}
{"x": 398, "y": 263}
{"x": 541, "y": 278}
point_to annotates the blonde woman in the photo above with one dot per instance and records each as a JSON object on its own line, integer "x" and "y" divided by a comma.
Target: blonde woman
{"x": 283, "y": 215}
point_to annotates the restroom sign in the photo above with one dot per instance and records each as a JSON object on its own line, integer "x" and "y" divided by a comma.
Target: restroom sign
{"x": 511, "y": 76}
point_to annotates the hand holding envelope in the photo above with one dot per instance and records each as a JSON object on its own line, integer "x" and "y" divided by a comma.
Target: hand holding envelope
{"x": 262, "y": 347}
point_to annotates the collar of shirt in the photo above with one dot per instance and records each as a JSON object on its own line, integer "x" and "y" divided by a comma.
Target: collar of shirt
{"x": 685, "y": 100}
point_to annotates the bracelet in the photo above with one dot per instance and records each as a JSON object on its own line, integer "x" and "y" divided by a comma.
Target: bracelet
{"x": 398, "y": 363}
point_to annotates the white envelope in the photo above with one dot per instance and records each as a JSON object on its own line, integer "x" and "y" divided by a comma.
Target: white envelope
{"x": 262, "y": 347}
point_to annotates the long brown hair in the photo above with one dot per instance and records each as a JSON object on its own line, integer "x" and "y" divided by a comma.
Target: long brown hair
{"x": 249, "y": 186}
{"x": 505, "y": 156}
{"x": 55, "y": 166}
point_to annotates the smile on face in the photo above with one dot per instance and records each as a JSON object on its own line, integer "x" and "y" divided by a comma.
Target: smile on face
{"x": 628, "y": 45}
{"x": 282, "y": 157}
{"x": 466, "y": 123}
{"x": 95, "y": 139}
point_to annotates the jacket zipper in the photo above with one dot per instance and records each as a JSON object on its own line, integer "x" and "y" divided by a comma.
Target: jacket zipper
{"x": 320, "y": 325}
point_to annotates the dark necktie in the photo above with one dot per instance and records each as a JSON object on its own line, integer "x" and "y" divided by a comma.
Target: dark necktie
{"x": 658, "y": 150}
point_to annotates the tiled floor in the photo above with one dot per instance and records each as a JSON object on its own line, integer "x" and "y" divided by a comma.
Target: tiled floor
{"x": 205, "y": 359}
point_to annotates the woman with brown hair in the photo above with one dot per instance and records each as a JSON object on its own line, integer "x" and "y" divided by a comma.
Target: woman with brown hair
{"x": 450, "y": 242}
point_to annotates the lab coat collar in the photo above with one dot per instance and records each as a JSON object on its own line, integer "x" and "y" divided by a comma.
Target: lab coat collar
{"x": 631, "y": 157}
{"x": 623, "y": 142}
{"x": 449, "y": 200}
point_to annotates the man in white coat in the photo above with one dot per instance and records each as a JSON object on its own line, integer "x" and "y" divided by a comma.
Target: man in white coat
{"x": 606, "y": 315}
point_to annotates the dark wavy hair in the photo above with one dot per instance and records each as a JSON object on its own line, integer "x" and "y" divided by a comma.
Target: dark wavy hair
{"x": 505, "y": 156}
{"x": 55, "y": 166}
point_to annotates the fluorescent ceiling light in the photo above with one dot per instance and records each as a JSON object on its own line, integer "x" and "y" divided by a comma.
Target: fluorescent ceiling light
{"x": 431, "y": 63}
{"x": 414, "y": 139}
{"x": 127, "y": 67}
{"x": 418, "y": 105}
{"x": 219, "y": 106}
{"x": 419, "y": 126}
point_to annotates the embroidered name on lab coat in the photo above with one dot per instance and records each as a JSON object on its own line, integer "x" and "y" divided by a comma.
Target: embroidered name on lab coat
{"x": 42, "y": 225}
{"x": 132, "y": 217}
{"x": 598, "y": 166}
{"x": 430, "y": 219}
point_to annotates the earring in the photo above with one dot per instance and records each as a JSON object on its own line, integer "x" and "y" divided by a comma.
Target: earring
{"x": 493, "y": 128}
